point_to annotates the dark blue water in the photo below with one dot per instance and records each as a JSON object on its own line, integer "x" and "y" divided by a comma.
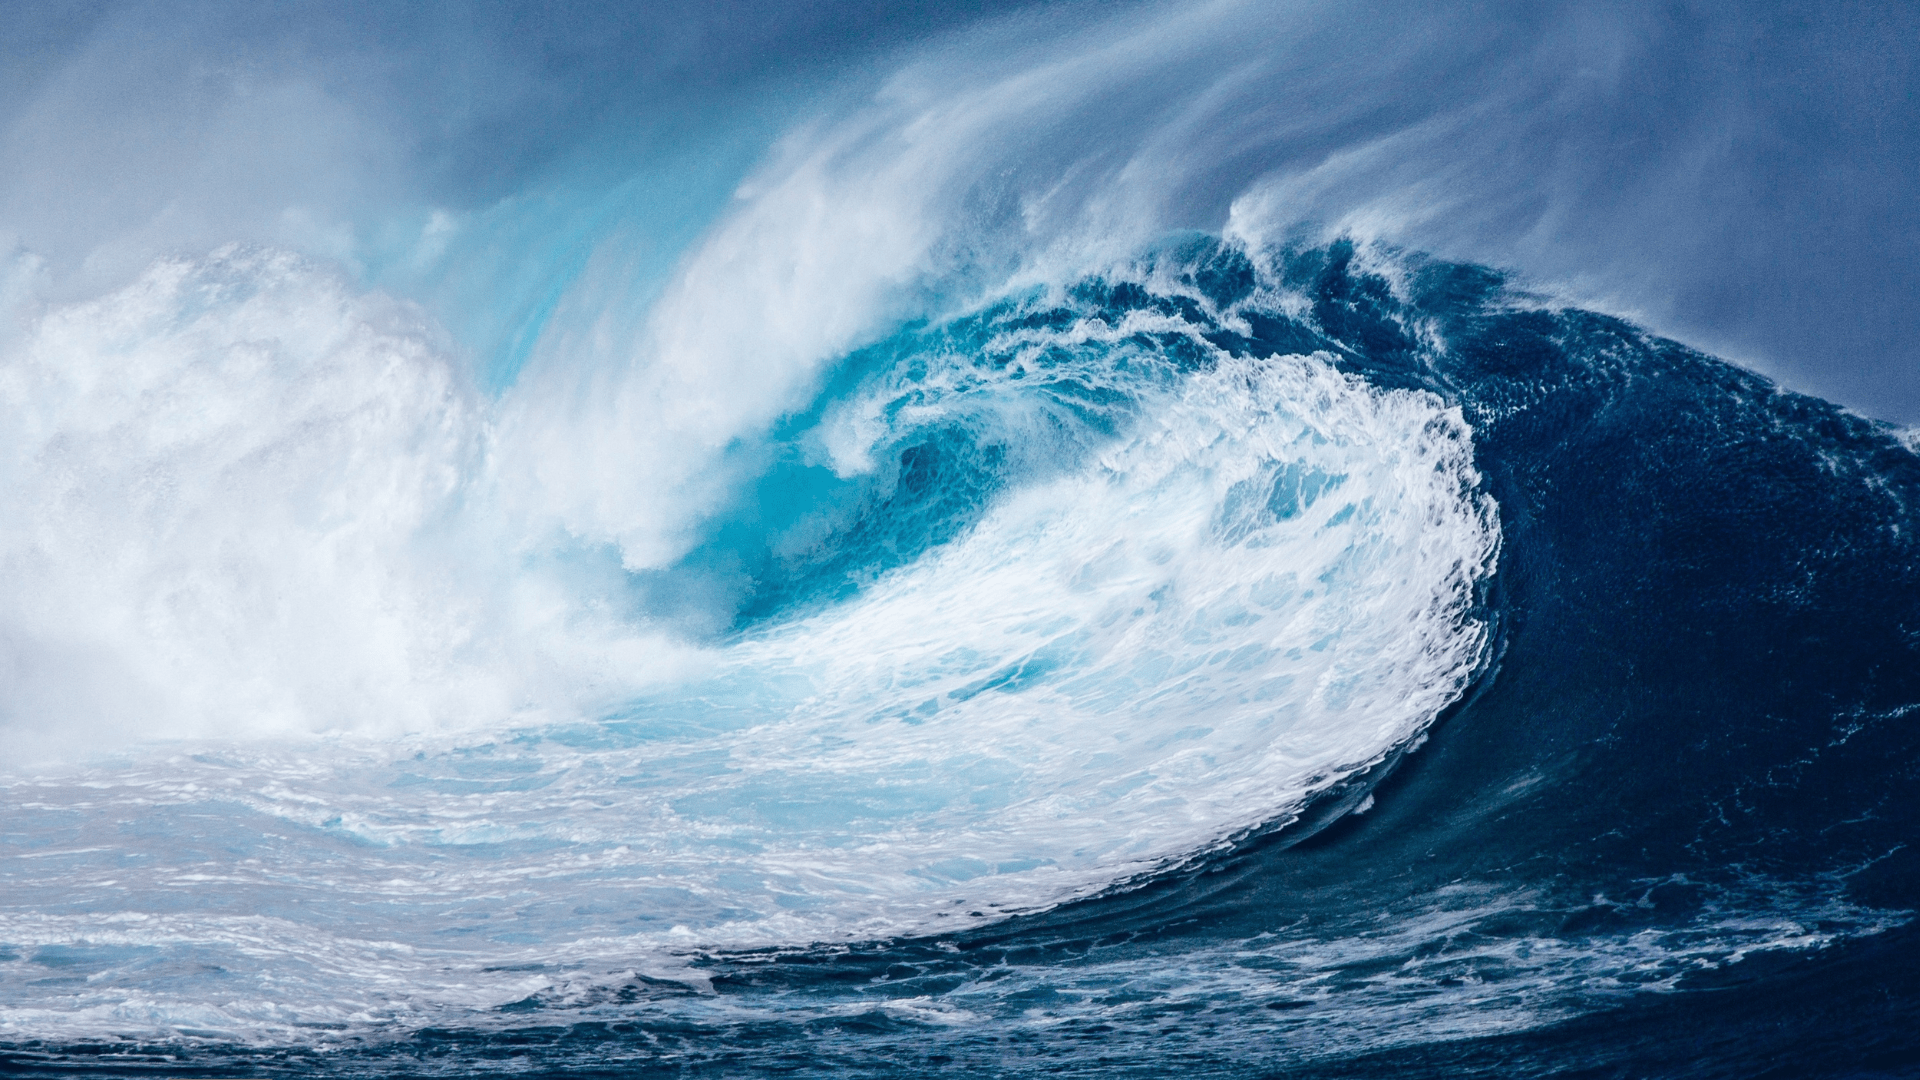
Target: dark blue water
{"x": 1669, "y": 831}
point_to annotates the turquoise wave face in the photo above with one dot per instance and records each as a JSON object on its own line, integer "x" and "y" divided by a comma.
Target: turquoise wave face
{"x": 912, "y": 440}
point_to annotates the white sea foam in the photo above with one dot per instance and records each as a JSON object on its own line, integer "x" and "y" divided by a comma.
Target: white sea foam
{"x": 1261, "y": 579}
{"x": 241, "y": 499}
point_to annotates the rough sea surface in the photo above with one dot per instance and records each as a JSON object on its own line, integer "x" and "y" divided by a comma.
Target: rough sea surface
{"x": 1088, "y": 540}
{"x": 1104, "y": 718}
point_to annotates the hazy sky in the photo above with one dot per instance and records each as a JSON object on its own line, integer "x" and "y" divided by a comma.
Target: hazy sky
{"x": 1741, "y": 176}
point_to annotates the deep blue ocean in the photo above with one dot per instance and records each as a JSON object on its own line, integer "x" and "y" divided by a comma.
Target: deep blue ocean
{"x": 896, "y": 570}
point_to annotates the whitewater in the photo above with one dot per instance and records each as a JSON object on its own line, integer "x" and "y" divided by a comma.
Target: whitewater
{"x": 1061, "y": 603}
{"x": 997, "y": 550}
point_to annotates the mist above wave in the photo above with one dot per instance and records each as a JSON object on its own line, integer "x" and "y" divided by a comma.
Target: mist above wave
{"x": 1727, "y": 174}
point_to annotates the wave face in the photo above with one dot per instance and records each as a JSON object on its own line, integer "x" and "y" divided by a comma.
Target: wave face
{"x": 870, "y": 588}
